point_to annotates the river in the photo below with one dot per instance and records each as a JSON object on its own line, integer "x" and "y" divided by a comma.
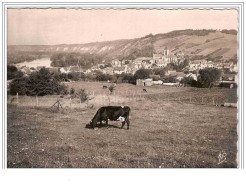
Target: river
{"x": 35, "y": 63}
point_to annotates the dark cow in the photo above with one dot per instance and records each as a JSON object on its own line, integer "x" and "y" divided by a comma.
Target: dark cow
{"x": 105, "y": 87}
{"x": 113, "y": 113}
{"x": 145, "y": 90}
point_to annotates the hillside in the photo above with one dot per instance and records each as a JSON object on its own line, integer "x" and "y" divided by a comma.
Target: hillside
{"x": 191, "y": 42}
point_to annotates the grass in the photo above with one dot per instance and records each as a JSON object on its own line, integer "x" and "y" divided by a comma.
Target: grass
{"x": 162, "y": 135}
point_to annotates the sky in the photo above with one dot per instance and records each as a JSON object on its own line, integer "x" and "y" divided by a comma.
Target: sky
{"x": 77, "y": 26}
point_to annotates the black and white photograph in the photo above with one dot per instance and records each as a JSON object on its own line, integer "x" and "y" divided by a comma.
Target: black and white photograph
{"x": 122, "y": 88}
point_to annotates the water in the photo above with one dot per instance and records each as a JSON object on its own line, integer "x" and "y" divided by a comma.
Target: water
{"x": 35, "y": 63}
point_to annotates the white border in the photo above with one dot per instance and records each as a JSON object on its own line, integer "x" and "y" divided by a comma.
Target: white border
{"x": 128, "y": 181}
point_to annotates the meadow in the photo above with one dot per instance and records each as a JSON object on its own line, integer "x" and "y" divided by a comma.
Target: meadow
{"x": 166, "y": 129}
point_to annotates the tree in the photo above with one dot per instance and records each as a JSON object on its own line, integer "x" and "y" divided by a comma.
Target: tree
{"x": 111, "y": 88}
{"x": 38, "y": 83}
{"x": 207, "y": 77}
{"x": 142, "y": 74}
{"x": 189, "y": 81}
{"x": 12, "y": 73}
{"x": 159, "y": 71}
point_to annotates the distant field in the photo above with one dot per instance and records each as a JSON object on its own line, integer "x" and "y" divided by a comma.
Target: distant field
{"x": 162, "y": 133}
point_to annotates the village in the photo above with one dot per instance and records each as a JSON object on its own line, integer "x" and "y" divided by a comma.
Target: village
{"x": 165, "y": 60}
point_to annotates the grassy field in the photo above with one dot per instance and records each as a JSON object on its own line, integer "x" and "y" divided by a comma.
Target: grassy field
{"x": 162, "y": 134}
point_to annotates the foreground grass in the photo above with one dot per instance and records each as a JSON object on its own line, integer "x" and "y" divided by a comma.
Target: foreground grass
{"x": 161, "y": 135}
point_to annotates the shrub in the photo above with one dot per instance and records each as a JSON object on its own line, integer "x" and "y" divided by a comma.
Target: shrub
{"x": 111, "y": 88}
{"x": 142, "y": 74}
{"x": 72, "y": 91}
{"x": 38, "y": 83}
{"x": 189, "y": 81}
{"x": 19, "y": 85}
{"x": 207, "y": 77}
{"x": 83, "y": 95}
{"x": 12, "y": 73}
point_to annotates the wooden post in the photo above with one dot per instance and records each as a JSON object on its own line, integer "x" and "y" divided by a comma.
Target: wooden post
{"x": 36, "y": 100}
{"x": 202, "y": 100}
{"x": 114, "y": 97}
{"x": 17, "y": 97}
{"x": 190, "y": 99}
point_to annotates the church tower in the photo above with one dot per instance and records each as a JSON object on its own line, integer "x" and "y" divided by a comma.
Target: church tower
{"x": 166, "y": 52}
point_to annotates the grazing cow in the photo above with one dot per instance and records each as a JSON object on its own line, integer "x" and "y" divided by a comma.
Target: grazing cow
{"x": 145, "y": 90}
{"x": 113, "y": 113}
{"x": 105, "y": 87}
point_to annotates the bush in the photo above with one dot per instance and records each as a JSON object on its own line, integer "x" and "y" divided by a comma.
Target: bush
{"x": 111, "y": 88}
{"x": 72, "y": 91}
{"x": 74, "y": 76}
{"x": 169, "y": 79}
{"x": 207, "y": 77}
{"x": 189, "y": 81}
{"x": 19, "y": 85}
{"x": 12, "y": 73}
{"x": 83, "y": 95}
{"x": 159, "y": 71}
{"x": 142, "y": 74}
{"x": 38, "y": 83}
{"x": 103, "y": 77}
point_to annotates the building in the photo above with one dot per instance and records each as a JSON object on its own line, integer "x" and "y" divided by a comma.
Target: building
{"x": 144, "y": 82}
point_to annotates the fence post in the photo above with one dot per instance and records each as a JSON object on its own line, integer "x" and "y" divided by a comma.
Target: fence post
{"x": 190, "y": 99}
{"x": 17, "y": 97}
{"x": 114, "y": 97}
{"x": 36, "y": 100}
{"x": 202, "y": 100}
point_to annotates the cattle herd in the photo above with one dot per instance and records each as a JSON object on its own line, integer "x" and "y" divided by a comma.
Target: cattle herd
{"x": 110, "y": 113}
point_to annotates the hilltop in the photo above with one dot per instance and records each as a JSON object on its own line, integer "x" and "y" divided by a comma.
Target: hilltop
{"x": 201, "y": 43}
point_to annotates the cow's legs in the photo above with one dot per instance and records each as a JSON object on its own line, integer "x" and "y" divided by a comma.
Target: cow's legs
{"x": 123, "y": 123}
{"x": 128, "y": 122}
{"x": 107, "y": 123}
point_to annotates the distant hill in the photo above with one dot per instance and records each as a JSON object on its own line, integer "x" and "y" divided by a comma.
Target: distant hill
{"x": 191, "y": 42}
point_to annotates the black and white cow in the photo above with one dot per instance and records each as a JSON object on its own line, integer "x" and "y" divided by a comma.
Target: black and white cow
{"x": 113, "y": 113}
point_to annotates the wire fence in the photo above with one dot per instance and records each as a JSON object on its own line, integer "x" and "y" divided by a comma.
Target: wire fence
{"x": 118, "y": 98}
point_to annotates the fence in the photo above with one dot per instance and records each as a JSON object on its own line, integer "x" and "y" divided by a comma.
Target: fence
{"x": 115, "y": 98}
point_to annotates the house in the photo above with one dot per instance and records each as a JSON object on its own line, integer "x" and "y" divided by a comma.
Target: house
{"x": 197, "y": 65}
{"x": 108, "y": 70}
{"x": 75, "y": 69}
{"x": 54, "y": 69}
{"x": 25, "y": 70}
{"x": 144, "y": 82}
{"x": 191, "y": 75}
{"x": 179, "y": 75}
{"x": 116, "y": 62}
{"x": 159, "y": 82}
{"x": 169, "y": 72}
{"x": 119, "y": 70}
{"x": 64, "y": 70}
{"x": 157, "y": 56}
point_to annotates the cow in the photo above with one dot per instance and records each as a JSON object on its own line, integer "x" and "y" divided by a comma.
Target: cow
{"x": 113, "y": 113}
{"x": 105, "y": 87}
{"x": 145, "y": 90}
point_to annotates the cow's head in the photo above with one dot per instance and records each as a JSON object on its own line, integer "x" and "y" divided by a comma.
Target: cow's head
{"x": 90, "y": 125}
